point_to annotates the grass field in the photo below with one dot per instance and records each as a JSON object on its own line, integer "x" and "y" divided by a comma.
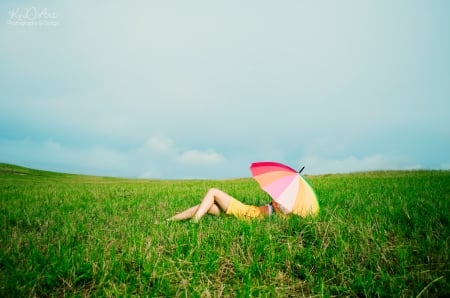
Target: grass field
{"x": 378, "y": 234}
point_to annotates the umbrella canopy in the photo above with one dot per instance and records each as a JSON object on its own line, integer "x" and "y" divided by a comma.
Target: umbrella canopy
{"x": 286, "y": 187}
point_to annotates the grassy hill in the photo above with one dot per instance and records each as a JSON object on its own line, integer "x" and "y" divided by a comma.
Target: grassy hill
{"x": 378, "y": 234}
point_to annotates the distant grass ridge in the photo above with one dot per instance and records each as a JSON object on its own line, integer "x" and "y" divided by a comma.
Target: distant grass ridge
{"x": 378, "y": 234}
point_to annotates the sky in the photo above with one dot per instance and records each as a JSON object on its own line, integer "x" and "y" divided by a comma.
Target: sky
{"x": 201, "y": 89}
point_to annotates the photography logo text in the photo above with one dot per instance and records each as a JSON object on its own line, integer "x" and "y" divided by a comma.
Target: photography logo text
{"x": 32, "y": 16}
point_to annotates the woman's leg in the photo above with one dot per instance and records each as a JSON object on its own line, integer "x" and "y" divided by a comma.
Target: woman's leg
{"x": 213, "y": 197}
{"x": 186, "y": 214}
{"x": 189, "y": 213}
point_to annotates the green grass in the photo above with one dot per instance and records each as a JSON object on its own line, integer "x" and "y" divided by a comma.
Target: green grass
{"x": 378, "y": 234}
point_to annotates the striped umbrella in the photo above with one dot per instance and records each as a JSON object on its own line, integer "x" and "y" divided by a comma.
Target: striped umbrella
{"x": 286, "y": 187}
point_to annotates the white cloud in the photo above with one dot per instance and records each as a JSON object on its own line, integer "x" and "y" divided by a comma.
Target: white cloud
{"x": 159, "y": 144}
{"x": 165, "y": 147}
{"x": 196, "y": 157}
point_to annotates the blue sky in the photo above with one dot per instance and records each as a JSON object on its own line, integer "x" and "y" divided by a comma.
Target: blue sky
{"x": 200, "y": 89}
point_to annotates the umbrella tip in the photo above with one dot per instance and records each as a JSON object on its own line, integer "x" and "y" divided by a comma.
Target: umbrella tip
{"x": 301, "y": 170}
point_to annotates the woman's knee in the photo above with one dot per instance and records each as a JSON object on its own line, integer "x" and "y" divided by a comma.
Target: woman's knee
{"x": 214, "y": 191}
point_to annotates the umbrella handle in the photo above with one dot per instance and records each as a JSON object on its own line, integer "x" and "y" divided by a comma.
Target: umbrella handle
{"x": 301, "y": 170}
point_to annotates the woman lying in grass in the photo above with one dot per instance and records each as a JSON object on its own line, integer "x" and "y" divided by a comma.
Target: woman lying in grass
{"x": 217, "y": 201}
